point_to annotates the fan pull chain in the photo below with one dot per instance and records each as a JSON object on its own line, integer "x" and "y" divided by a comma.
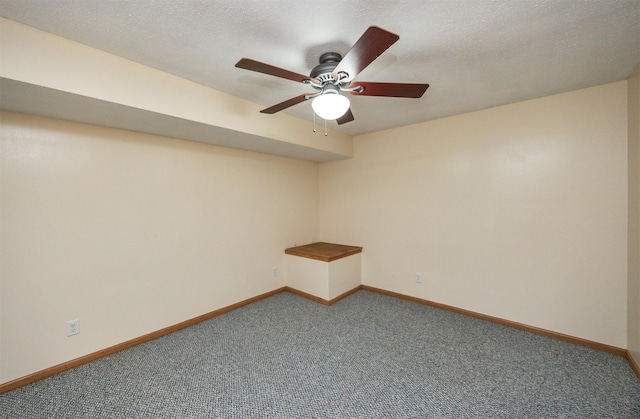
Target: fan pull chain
{"x": 314, "y": 125}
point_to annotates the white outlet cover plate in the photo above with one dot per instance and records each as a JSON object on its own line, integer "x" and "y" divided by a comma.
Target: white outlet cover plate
{"x": 73, "y": 327}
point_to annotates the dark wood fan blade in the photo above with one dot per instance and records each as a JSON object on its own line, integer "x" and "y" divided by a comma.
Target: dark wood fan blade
{"x": 286, "y": 104}
{"x": 371, "y": 44}
{"x": 409, "y": 90}
{"x": 253, "y": 65}
{"x": 347, "y": 117}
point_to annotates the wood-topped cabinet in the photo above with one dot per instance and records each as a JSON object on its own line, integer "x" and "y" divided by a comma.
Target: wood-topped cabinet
{"x": 324, "y": 270}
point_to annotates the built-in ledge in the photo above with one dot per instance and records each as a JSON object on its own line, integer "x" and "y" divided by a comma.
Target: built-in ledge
{"x": 324, "y": 270}
{"x": 327, "y": 252}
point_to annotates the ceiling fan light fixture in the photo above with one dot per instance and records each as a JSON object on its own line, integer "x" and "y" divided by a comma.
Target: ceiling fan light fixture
{"x": 335, "y": 73}
{"x": 330, "y": 105}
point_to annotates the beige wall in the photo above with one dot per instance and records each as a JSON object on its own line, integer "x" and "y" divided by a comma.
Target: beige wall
{"x": 518, "y": 212}
{"x": 634, "y": 216}
{"x": 131, "y": 233}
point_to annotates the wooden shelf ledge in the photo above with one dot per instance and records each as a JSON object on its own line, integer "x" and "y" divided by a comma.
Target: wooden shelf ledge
{"x": 326, "y": 252}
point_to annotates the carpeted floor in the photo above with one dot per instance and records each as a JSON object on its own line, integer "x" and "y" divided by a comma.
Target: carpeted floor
{"x": 367, "y": 356}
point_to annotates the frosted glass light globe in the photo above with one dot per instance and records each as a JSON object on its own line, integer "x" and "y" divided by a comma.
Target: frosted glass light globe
{"x": 330, "y": 105}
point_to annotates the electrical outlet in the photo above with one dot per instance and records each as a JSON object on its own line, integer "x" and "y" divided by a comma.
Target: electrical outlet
{"x": 295, "y": 244}
{"x": 418, "y": 277}
{"x": 73, "y": 327}
{"x": 275, "y": 271}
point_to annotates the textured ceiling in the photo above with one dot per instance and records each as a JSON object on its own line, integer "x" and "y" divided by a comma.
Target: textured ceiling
{"x": 475, "y": 54}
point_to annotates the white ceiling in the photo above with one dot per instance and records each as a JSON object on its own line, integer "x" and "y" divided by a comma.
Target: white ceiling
{"x": 475, "y": 54}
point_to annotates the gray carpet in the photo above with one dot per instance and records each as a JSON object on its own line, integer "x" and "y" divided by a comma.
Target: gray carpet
{"x": 367, "y": 356}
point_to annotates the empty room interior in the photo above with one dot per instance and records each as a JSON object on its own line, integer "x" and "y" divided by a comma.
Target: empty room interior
{"x": 142, "y": 189}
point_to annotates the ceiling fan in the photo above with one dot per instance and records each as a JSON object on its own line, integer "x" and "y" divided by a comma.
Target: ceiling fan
{"x": 335, "y": 74}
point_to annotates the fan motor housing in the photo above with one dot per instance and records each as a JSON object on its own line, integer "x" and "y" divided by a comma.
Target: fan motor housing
{"x": 328, "y": 62}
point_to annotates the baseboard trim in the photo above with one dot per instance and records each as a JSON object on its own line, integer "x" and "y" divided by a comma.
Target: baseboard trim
{"x": 322, "y": 300}
{"x": 31, "y": 378}
{"x": 579, "y": 341}
{"x": 633, "y": 363}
